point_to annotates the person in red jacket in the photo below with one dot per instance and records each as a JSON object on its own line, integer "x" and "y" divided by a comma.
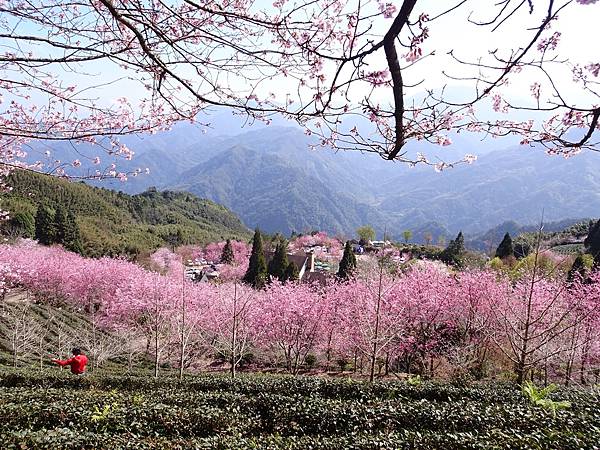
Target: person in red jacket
{"x": 77, "y": 362}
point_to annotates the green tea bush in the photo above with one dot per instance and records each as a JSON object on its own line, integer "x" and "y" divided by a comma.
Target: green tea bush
{"x": 56, "y": 410}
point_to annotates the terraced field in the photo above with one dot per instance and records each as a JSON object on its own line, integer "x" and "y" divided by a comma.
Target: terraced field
{"x": 33, "y": 333}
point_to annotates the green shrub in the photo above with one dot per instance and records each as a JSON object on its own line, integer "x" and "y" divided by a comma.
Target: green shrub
{"x": 50, "y": 409}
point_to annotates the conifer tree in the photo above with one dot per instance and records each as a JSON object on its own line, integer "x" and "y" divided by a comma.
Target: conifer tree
{"x": 291, "y": 272}
{"x": 67, "y": 231}
{"x": 23, "y": 224}
{"x": 279, "y": 262}
{"x": 227, "y": 254}
{"x": 256, "y": 276}
{"x": 454, "y": 253}
{"x": 348, "y": 263}
{"x": 581, "y": 268}
{"x": 60, "y": 222}
{"x": 592, "y": 242}
{"x": 506, "y": 248}
{"x": 71, "y": 235}
{"x": 45, "y": 227}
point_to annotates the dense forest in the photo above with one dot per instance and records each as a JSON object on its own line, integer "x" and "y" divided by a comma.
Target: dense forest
{"x": 104, "y": 222}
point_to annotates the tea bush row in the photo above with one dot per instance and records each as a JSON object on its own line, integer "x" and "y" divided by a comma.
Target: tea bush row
{"x": 53, "y": 410}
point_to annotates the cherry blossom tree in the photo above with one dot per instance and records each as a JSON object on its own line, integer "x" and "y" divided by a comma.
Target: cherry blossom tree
{"x": 536, "y": 317}
{"x": 232, "y": 316}
{"x": 581, "y": 341}
{"x": 290, "y": 322}
{"x": 23, "y": 335}
{"x": 189, "y": 323}
{"x": 473, "y": 297}
{"x": 367, "y": 315}
{"x": 9, "y": 278}
{"x": 212, "y": 252}
{"x": 335, "y": 61}
{"x": 327, "y": 247}
{"x": 415, "y": 319}
{"x": 429, "y": 309}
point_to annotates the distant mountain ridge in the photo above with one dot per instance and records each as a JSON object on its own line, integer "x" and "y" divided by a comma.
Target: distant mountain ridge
{"x": 271, "y": 179}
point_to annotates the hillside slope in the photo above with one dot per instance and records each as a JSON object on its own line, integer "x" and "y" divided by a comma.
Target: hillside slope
{"x": 31, "y": 333}
{"x": 517, "y": 184}
{"x": 269, "y": 192}
{"x": 114, "y": 223}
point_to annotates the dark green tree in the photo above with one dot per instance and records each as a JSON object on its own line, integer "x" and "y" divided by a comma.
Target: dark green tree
{"x": 70, "y": 234}
{"x": 227, "y": 253}
{"x": 454, "y": 253}
{"x": 67, "y": 230}
{"x": 348, "y": 262}
{"x": 256, "y": 275}
{"x": 22, "y": 224}
{"x": 61, "y": 225}
{"x": 45, "y": 227}
{"x": 174, "y": 239}
{"x": 279, "y": 262}
{"x": 592, "y": 242}
{"x": 291, "y": 272}
{"x": 505, "y": 249}
{"x": 522, "y": 246}
{"x": 581, "y": 268}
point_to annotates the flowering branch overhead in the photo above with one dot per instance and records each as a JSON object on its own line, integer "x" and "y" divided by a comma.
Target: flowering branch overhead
{"x": 353, "y": 73}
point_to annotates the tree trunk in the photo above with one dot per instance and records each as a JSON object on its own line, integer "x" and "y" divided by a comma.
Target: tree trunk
{"x": 376, "y": 332}
{"x": 234, "y": 331}
{"x": 156, "y": 353}
{"x": 182, "y": 336}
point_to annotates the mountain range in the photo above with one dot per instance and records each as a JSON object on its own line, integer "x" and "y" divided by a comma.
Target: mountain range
{"x": 269, "y": 177}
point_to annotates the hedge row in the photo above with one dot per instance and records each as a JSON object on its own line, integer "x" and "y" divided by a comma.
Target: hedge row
{"x": 53, "y": 410}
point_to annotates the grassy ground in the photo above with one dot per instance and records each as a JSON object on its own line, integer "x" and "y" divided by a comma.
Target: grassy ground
{"x": 51, "y": 409}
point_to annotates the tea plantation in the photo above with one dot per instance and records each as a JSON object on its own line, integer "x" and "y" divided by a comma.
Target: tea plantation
{"x": 52, "y": 409}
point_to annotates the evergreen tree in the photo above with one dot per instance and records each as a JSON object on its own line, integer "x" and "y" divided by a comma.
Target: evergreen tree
{"x": 67, "y": 231}
{"x": 45, "y": 228}
{"x": 227, "y": 254}
{"x": 348, "y": 262}
{"x": 174, "y": 239}
{"x": 505, "y": 249}
{"x": 22, "y": 224}
{"x": 256, "y": 276}
{"x": 592, "y": 242}
{"x": 71, "y": 235}
{"x": 291, "y": 272}
{"x": 454, "y": 253}
{"x": 60, "y": 222}
{"x": 581, "y": 268}
{"x": 279, "y": 262}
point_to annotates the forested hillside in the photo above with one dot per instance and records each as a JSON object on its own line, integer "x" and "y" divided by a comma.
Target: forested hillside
{"x": 113, "y": 223}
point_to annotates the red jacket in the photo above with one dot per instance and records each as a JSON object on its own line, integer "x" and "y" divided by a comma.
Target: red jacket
{"x": 77, "y": 363}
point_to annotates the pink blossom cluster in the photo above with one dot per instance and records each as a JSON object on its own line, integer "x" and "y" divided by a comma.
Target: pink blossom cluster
{"x": 199, "y": 55}
{"x": 324, "y": 245}
{"x": 422, "y": 317}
